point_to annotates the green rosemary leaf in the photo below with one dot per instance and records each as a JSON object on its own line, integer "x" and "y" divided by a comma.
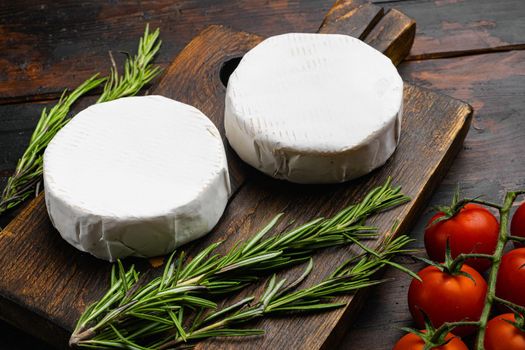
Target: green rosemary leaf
{"x": 403, "y": 269}
{"x": 129, "y": 344}
{"x": 168, "y": 271}
{"x": 178, "y": 325}
{"x": 252, "y": 242}
{"x": 272, "y": 292}
{"x": 179, "y": 267}
{"x": 299, "y": 280}
{"x": 227, "y": 332}
{"x": 227, "y": 310}
{"x": 269, "y": 287}
{"x": 196, "y": 301}
{"x": 195, "y": 263}
{"x": 113, "y": 278}
{"x": 153, "y": 328}
{"x": 250, "y": 261}
{"x": 122, "y": 277}
{"x": 176, "y": 291}
{"x": 150, "y": 317}
{"x": 306, "y": 308}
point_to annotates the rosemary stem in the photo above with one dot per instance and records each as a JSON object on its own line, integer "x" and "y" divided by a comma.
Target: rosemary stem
{"x": 77, "y": 338}
{"x": 190, "y": 282}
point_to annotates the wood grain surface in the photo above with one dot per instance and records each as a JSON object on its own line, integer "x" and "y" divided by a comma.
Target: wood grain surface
{"x": 448, "y": 28}
{"x": 42, "y": 43}
{"x": 47, "y": 283}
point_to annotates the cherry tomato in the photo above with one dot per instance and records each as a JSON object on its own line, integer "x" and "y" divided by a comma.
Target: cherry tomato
{"x": 501, "y": 335}
{"x": 413, "y": 342}
{"x": 517, "y": 225}
{"x": 473, "y": 230}
{"x": 447, "y": 298}
{"x": 510, "y": 284}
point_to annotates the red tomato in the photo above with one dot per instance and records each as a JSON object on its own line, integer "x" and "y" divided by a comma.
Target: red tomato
{"x": 517, "y": 225}
{"x": 414, "y": 342}
{"x": 501, "y": 335}
{"x": 511, "y": 277}
{"x": 473, "y": 230}
{"x": 447, "y": 298}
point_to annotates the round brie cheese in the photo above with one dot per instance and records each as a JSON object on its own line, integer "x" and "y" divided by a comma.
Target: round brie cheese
{"x": 136, "y": 176}
{"x": 314, "y": 108}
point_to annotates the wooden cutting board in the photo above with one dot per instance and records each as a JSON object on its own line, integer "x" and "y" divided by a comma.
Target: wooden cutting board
{"x": 45, "y": 284}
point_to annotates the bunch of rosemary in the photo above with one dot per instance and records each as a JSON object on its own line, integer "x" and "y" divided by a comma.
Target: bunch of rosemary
{"x": 132, "y": 312}
{"x": 138, "y": 71}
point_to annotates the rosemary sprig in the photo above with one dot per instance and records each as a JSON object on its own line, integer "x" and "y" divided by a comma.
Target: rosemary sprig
{"x": 433, "y": 337}
{"x": 209, "y": 272}
{"x": 278, "y": 298}
{"x": 138, "y": 71}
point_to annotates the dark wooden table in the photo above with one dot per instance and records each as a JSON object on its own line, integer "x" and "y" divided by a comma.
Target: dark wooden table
{"x": 468, "y": 49}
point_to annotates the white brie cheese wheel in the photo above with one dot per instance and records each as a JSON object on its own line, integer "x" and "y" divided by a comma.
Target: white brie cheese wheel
{"x": 137, "y": 176}
{"x": 314, "y": 108}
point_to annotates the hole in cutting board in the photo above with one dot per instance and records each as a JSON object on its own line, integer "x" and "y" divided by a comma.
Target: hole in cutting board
{"x": 227, "y": 69}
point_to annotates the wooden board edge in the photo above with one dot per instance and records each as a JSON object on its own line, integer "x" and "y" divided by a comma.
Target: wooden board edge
{"x": 393, "y": 35}
{"x": 356, "y": 302}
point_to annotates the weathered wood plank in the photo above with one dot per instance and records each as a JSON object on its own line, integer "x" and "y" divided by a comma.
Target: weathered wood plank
{"x": 447, "y": 28}
{"x": 42, "y": 44}
{"x": 489, "y": 164}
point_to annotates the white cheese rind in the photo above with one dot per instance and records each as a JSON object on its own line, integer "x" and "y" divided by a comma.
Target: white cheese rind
{"x": 137, "y": 176}
{"x": 314, "y": 108}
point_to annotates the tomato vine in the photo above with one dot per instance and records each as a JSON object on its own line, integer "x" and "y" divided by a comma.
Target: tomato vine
{"x": 432, "y": 336}
{"x": 504, "y": 237}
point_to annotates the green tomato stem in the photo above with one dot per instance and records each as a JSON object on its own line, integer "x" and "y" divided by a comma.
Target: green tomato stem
{"x": 511, "y": 305}
{"x": 440, "y": 333}
{"x": 458, "y": 262}
{"x": 504, "y": 213}
{"x": 482, "y": 202}
{"x": 517, "y": 239}
{"x": 520, "y": 321}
